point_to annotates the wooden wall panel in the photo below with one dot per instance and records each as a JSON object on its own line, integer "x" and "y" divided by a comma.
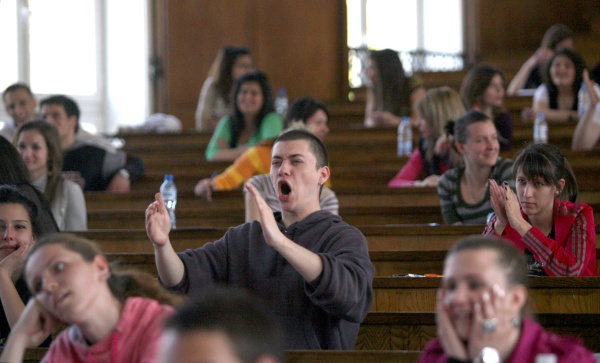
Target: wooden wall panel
{"x": 298, "y": 46}
{"x": 301, "y": 44}
{"x": 517, "y": 25}
{"x": 295, "y": 42}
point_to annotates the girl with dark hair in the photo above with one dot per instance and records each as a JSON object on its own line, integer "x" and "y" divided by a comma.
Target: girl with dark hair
{"x": 252, "y": 120}
{"x": 482, "y": 89}
{"x": 463, "y": 191}
{"x": 19, "y": 229}
{"x": 13, "y": 171}
{"x": 38, "y": 143}
{"x": 529, "y": 76}
{"x": 482, "y": 310}
{"x": 305, "y": 112}
{"x": 391, "y": 94}
{"x": 114, "y": 316}
{"x": 231, "y": 63}
{"x": 557, "y": 97}
{"x": 543, "y": 219}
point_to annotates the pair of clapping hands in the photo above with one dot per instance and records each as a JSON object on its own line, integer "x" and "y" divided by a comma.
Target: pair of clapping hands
{"x": 506, "y": 207}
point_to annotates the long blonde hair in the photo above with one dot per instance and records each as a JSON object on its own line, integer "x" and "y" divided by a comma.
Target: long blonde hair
{"x": 437, "y": 107}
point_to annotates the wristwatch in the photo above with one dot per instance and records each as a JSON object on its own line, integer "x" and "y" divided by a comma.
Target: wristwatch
{"x": 488, "y": 355}
{"x": 124, "y": 173}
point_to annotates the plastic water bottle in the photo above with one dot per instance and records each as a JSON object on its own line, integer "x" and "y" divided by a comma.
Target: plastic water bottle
{"x": 281, "y": 102}
{"x": 404, "y": 137}
{"x": 583, "y": 100}
{"x": 168, "y": 190}
{"x": 540, "y": 129}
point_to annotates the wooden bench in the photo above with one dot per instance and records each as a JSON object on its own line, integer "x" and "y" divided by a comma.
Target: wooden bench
{"x": 227, "y": 217}
{"x": 379, "y": 238}
{"x": 351, "y": 356}
{"x": 386, "y": 263}
{"x": 547, "y": 294}
{"x": 412, "y": 330}
{"x": 35, "y": 355}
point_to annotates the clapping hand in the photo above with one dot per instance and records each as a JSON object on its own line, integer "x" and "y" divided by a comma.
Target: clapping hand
{"x": 513, "y": 210}
{"x": 498, "y": 199}
{"x": 158, "y": 222}
{"x": 267, "y": 219}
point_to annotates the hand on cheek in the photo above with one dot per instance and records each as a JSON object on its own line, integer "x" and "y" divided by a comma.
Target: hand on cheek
{"x": 449, "y": 339}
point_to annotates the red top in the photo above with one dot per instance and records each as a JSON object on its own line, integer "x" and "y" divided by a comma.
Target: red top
{"x": 572, "y": 252}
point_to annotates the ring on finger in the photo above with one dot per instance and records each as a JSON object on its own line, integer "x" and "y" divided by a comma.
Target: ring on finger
{"x": 489, "y": 325}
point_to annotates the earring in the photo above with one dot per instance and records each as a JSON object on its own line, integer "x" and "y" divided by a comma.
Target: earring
{"x": 557, "y": 192}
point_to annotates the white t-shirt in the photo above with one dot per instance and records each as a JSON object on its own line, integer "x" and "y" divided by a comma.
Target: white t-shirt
{"x": 541, "y": 94}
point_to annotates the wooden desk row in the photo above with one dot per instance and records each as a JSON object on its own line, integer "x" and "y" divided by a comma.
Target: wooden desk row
{"x": 35, "y": 355}
{"x": 387, "y": 263}
{"x": 411, "y": 331}
{"x": 227, "y": 217}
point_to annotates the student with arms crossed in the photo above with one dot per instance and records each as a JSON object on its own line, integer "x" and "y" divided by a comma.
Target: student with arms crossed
{"x": 313, "y": 269}
{"x": 93, "y": 167}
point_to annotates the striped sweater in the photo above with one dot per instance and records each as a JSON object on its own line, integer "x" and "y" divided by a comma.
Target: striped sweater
{"x": 455, "y": 209}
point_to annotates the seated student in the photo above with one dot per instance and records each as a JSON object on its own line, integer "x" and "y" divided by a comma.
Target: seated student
{"x": 557, "y": 97}
{"x": 39, "y": 145}
{"x": 481, "y": 309}
{"x": 231, "y": 63}
{"x": 203, "y": 329}
{"x": 21, "y": 105}
{"x": 94, "y": 168}
{"x": 529, "y": 76}
{"x": 390, "y": 94}
{"x": 543, "y": 219}
{"x": 312, "y": 268}
{"x": 304, "y": 112}
{"x": 482, "y": 89}
{"x": 433, "y": 156}
{"x": 252, "y": 120}
{"x": 114, "y": 316}
{"x": 13, "y": 171}
{"x": 587, "y": 131}
{"x": 19, "y": 228}
{"x": 464, "y": 191}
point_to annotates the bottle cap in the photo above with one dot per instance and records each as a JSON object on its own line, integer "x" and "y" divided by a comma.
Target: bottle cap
{"x": 169, "y": 177}
{"x": 281, "y": 92}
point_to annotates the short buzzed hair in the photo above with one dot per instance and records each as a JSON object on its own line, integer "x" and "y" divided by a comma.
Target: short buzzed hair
{"x": 316, "y": 145}
{"x": 252, "y": 328}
